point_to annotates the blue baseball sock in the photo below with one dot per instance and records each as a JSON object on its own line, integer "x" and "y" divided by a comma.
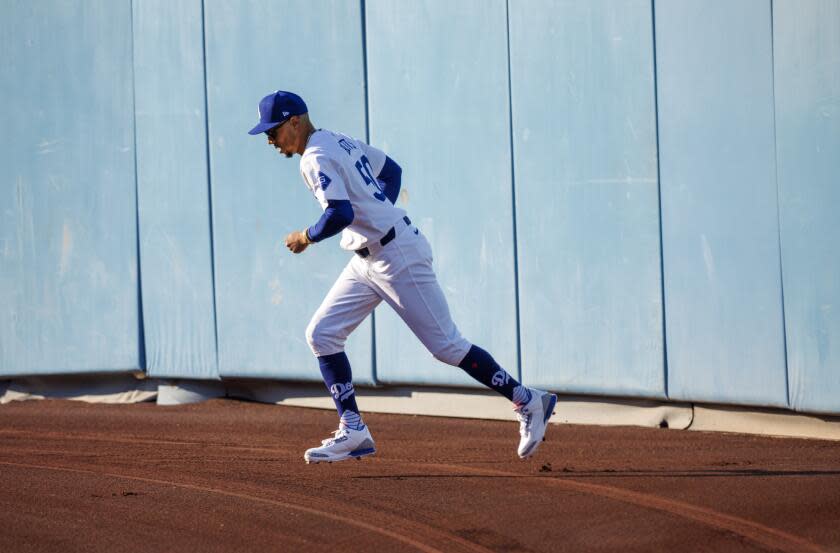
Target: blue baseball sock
{"x": 480, "y": 365}
{"x": 338, "y": 378}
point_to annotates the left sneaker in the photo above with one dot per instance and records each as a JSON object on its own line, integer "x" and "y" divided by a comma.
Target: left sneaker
{"x": 346, "y": 443}
{"x": 533, "y": 418}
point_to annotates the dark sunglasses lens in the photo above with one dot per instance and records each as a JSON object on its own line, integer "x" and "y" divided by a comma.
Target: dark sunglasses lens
{"x": 271, "y": 133}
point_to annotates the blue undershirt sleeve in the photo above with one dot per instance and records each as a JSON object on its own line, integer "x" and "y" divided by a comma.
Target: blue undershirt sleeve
{"x": 338, "y": 215}
{"x": 391, "y": 176}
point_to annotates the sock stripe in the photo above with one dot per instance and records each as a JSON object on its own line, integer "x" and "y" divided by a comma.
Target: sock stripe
{"x": 521, "y": 395}
{"x": 352, "y": 420}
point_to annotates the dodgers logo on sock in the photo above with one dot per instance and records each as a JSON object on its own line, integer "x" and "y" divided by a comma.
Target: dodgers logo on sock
{"x": 341, "y": 391}
{"x": 500, "y": 378}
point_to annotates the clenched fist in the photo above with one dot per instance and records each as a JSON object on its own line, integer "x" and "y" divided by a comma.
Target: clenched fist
{"x": 297, "y": 241}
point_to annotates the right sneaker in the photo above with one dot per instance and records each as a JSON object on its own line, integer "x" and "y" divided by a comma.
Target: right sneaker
{"x": 533, "y": 419}
{"x": 345, "y": 443}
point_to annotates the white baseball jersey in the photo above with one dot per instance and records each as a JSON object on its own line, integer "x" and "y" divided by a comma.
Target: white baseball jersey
{"x": 337, "y": 167}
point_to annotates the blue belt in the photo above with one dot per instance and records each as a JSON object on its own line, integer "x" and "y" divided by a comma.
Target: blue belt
{"x": 390, "y": 235}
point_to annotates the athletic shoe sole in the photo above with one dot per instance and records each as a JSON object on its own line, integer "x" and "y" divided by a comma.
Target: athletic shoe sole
{"x": 357, "y": 454}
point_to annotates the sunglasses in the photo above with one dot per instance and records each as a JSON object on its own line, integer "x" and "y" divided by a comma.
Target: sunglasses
{"x": 272, "y": 132}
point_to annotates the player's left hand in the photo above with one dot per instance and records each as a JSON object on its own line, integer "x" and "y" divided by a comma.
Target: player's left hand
{"x": 297, "y": 241}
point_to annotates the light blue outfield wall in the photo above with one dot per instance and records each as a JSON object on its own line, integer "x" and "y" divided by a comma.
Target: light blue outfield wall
{"x": 807, "y": 74}
{"x": 174, "y": 205}
{"x": 744, "y": 125}
{"x": 68, "y": 269}
{"x": 723, "y": 294}
{"x": 586, "y": 196}
{"x": 438, "y": 81}
{"x": 264, "y": 294}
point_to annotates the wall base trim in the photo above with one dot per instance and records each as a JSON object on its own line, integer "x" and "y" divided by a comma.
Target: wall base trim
{"x": 91, "y": 388}
{"x": 472, "y": 404}
{"x": 427, "y": 401}
{"x": 182, "y": 392}
{"x": 768, "y": 422}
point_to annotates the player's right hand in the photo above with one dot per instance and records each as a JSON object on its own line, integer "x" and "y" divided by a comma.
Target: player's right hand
{"x": 297, "y": 241}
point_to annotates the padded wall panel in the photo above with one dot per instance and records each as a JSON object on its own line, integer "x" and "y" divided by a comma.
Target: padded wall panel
{"x": 265, "y": 295}
{"x": 719, "y": 202}
{"x": 68, "y": 242}
{"x": 586, "y": 196}
{"x": 438, "y": 84}
{"x": 807, "y": 75}
{"x": 174, "y": 205}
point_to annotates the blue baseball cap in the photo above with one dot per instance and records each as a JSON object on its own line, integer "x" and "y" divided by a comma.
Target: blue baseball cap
{"x": 276, "y": 108}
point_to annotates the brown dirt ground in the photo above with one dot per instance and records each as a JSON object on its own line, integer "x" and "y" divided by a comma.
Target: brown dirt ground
{"x": 229, "y": 476}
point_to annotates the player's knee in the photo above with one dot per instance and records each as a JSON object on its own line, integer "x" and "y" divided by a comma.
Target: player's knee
{"x": 313, "y": 336}
{"x": 322, "y": 340}
{"x": 452, "y": 353}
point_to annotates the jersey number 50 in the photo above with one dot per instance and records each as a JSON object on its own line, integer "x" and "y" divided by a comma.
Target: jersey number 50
{"x": 364, "y": 168}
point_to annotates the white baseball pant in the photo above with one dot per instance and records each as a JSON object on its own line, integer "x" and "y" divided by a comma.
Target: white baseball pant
{"x": 400, "y": 273}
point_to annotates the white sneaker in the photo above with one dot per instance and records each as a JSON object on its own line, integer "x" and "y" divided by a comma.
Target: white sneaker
{"x": 345, "y": 443}
{"x": 533, "y": 417}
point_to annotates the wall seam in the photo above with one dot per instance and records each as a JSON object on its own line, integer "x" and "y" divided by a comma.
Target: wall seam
{"x": 513, "y": 200}
{"x": 659, "y": 197}
{"x": 141, "y": 327}
{"x": 209, "y": 187}
{"x": 366, "y": 89}
{"x": 778, "y": 206}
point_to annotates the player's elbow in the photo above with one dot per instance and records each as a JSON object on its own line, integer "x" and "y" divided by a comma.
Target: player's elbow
{"x": 344, "y": 214}
{"x": 391, "y": 171}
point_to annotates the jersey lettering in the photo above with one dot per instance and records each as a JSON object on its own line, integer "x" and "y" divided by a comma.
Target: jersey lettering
{"x": 346, "y": 146}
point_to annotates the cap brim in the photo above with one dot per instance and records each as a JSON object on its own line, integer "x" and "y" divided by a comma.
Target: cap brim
{"x": 262, "y": 127}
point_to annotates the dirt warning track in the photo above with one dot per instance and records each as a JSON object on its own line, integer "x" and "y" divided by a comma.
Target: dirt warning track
{"x": 229, "y": 476}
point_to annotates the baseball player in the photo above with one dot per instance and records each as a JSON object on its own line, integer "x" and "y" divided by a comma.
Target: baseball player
{"x": 357, "y": 186}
